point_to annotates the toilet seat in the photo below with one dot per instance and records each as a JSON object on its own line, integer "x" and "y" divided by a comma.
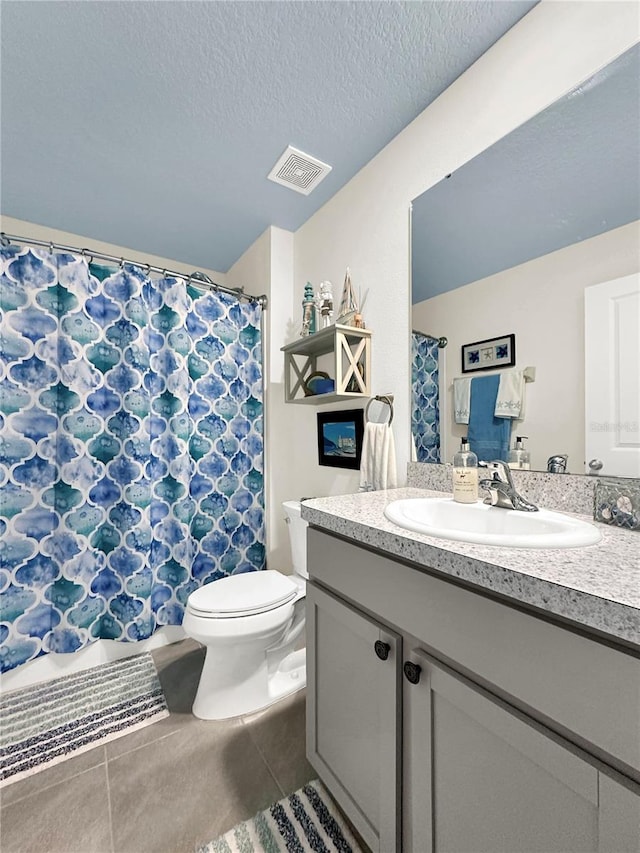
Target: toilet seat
{"x": 247, "y": 594}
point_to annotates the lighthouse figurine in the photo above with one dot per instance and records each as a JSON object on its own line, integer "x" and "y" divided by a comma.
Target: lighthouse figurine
{"x": 308, "y": 311}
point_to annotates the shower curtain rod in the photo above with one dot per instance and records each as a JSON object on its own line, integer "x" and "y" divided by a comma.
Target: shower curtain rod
{"x": 194, "y": 277}
{"x": 442, "y": 342}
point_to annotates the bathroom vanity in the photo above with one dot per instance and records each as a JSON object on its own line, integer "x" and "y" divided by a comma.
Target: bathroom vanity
{"x": 472, "y": 698}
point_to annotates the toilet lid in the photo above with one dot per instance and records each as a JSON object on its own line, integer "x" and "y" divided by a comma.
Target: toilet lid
{"x": 243, "y": 595}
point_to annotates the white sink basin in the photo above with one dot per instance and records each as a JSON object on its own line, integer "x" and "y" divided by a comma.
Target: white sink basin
{"x": 487, "y": 525}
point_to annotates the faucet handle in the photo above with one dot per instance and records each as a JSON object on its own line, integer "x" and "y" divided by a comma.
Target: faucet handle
{"x": 500, "y": 470}
{"x": 492, "y": 466}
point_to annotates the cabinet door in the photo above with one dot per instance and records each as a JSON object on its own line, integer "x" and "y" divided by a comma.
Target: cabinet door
{"x": 482, "y": 778}
{"x": 353, "y": 716}
{"x": 619, "y": 813}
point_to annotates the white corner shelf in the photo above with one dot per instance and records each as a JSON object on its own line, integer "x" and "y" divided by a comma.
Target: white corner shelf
{"x": 350, "y": 351}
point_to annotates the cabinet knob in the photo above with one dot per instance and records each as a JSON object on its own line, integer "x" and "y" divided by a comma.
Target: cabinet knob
{"x": 412, "y": 671}
{"x": 382, "y": 649}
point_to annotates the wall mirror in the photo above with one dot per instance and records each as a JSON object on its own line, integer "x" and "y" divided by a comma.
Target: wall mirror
{"x": 508, "y": 244}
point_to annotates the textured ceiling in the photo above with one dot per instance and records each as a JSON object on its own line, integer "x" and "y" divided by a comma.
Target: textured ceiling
{"x": 570, "y": 173}
{"x": 153, "y": 125}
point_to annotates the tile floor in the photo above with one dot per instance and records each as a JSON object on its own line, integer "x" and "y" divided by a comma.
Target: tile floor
{"x": 166, "y": 788}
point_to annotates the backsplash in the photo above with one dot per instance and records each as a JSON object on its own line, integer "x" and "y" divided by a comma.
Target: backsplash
{"x": 562, "y": 492}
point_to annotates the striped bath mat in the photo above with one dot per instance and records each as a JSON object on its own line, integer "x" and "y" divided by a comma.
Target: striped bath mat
{"x": 55, "y": 720}
{"x": 306, "y": 821}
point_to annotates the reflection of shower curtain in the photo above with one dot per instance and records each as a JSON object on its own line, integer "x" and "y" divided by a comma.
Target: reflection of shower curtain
{"x": 425, "y": 404}
{"x": 130, "y": 450}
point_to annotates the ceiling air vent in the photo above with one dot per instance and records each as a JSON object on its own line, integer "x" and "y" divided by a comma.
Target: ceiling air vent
{"x": 298, "y": 171}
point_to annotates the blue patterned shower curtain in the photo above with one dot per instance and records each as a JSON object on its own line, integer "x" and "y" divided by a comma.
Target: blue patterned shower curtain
{"x": 425, "y": 398}
{"x": 130, "y": 450}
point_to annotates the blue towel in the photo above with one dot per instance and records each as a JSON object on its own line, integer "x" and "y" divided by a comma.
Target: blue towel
{"x": 489, "y": 436}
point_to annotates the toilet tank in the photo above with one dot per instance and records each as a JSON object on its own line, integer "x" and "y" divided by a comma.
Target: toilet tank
{"x": 297, "y": 537}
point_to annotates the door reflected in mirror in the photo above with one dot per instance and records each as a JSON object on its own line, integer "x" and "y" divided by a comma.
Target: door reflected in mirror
{"x": 509, "y": 244}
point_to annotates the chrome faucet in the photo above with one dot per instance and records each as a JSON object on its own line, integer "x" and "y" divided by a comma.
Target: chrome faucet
{"x": 502, "y": 492}
{"x": 557, "y": 464}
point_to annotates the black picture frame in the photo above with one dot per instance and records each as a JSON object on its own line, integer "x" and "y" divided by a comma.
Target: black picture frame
{"x": 492, "y": 354}
{"x": 340, "y": 438}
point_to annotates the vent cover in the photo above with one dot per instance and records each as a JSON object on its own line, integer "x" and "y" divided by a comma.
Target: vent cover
{"x": 298, "y": 171}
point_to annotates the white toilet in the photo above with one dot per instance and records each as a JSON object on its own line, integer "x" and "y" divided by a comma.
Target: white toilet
{"x": 249, "y": 624}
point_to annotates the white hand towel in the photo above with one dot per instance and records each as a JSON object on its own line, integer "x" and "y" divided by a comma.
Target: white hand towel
{"x": 378, "y": 460}
{"x": 461, "y": 400}
{"x": 511, "y": 394}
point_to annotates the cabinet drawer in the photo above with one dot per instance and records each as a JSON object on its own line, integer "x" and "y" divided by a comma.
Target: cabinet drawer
{"x": 587, "y": 691}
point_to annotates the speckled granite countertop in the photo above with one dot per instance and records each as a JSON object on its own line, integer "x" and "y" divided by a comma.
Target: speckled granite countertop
{"x": 596, "y": 587}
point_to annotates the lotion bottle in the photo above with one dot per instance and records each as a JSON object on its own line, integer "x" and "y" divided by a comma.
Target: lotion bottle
{"x": 519, "y": 457}
{"x": 465, "y": 474}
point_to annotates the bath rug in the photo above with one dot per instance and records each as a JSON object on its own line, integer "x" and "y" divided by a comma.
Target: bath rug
{"x": 49, "y": 722}
{"x": 306, "y": 821}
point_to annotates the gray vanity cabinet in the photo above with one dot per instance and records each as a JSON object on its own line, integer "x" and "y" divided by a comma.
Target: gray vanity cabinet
{"x": 484, "y": 729}
{"x": 353, "y": 678}
{"x": 481, "y": 777}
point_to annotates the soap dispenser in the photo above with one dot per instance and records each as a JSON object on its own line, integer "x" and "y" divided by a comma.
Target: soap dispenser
{"x": 519, "y": 457}
{"x": 465, "y": 474}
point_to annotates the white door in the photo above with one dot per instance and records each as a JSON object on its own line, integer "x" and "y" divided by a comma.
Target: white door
{"x": 612, "y": 376}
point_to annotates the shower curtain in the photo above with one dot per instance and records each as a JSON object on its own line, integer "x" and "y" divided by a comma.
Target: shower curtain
{"x": 130, "y": 449}
{"x": 425, "y": 401}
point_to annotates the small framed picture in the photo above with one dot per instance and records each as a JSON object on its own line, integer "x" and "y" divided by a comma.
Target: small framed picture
{"x": 340, "y": 438}
{"x": 490, "y": 354}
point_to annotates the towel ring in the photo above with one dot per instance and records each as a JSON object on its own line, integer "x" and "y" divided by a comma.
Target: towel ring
{"x": 381, "y": 398}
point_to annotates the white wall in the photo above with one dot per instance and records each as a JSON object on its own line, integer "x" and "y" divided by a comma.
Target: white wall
{"x": 365, "y": 226}
{"x": 267, "y": 267}
{"x": 282, "y": 420}
{"x": 41, "y": 232}
{"x": 542, "y": 302}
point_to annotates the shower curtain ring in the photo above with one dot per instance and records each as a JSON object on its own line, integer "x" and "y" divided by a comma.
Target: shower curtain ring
{"x": 50, "y": 247}
{"x": 121, "y": 263}
{"x": 147, "y": 269}
{"x": 4, "y": 240}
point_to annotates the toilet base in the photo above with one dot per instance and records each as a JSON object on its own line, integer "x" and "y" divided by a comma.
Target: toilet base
{"x": 222, "y": 694}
